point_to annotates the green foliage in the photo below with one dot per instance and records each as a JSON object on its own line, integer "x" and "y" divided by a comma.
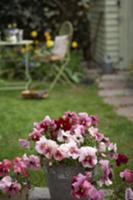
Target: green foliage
{"x": 44, "y": 71}
{"x": 13, "y": 66}
{"x": 47, "y": 15}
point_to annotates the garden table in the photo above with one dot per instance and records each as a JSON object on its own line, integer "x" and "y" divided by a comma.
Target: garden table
{"x": 26, "y": 43}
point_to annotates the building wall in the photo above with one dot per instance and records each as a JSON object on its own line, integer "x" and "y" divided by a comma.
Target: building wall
{"x": 108, "y": 38}
{"x": 126, "y": 33}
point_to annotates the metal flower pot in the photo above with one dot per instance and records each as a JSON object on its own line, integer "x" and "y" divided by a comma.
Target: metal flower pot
{"x": 23, "y": 195}
{"x": 59, "y": 180}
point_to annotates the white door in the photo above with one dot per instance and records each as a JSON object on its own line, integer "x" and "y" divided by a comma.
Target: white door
{"x": 126, "y": 33}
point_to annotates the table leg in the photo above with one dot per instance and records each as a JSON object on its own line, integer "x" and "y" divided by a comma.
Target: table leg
{"x": 27, "y": 72}
{"x": 1, "y": 63}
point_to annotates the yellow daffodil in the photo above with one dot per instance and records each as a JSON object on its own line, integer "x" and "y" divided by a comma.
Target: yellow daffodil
{"x": 26, "y": 48}
{"x": 29, "y": 47}
{"x": 9, "y": 26}
{"x": 23, "y": 50}
{"x": 49, "y": 43}
{"x": 34, "y": 34}
{"x": 46, "y": 34}
{"x": 74, "y": 44}
{"x": 48, "y": 38}
{"x": 14, "y": 25}
{"x": 36, "y": 42}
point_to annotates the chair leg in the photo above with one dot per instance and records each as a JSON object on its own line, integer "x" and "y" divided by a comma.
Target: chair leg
{"x": 57, "y": 76}
{"x": 66, "y": 79}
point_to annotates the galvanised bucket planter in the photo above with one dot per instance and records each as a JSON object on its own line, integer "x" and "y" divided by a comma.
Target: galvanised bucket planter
{"x": 23, "y": 195}
{"x": 59, "y": 180}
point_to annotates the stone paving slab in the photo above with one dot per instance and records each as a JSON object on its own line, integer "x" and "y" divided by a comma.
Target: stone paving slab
{"x": 126, "y": 112}
{"x": 92, "y": 74}
{"x": 119, "y": 101}
{"x": 39, "y": 193}
{"x": 42, "y": 193}
{"x": 112, "y": 84}
{"x": 115, "y": 92}
{"x": 120, "y": 76}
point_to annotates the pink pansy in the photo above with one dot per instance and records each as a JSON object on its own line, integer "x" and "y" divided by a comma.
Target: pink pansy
{"x": 59, "y": 155}
{"x": 32, "y": 161}
{"x": 102, "y": 147}
{"x": 80, "y": 186}
{"x": 72, "y": 116}
{"x": 19, "y": 166}
{"x": 44, "y": 124}
{"x": 51, "y": 148}
{"x": 79, "y": 178}
{"x": 94, "y": 132}
{"x": 5, "y": 167}
{"x": 73, "y": 150}
{"x": 78, "y": 129}
{"x": 95, "y": 194}
{"x": 24, "y": 143}
{"x": 84, "y": 119}
{"x": 41, "y": 145}
{"x": 112, "y": 148}
{"x": 107, "y": 173}
{"x": 52, "y": 130}
{"x": 88, "y": 156}
{"x": 36, "y": 134}
{"x": 127, "y": 175}
{"x": 78, "y": 138}
{"x": 5, "y": 181}
{"x": 46, "y": 147}
{"x": 8, "y": 186}
{"x": 61, "y": 152}
{"x": 63, "y": 136}
{"x": 83, "y": 188}
{"x": 47, "y": 121}
{"x": 129, "y": 194}
{"x": 106, "y": 140}
{"x": 95, "y": 120}
{"x": 88, "y": 175}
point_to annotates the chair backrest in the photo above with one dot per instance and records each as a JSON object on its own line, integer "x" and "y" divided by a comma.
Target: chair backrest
{"x": 67, "y": 29}
{"x": 63, "y": 41}
{"x": 60, "y": 45}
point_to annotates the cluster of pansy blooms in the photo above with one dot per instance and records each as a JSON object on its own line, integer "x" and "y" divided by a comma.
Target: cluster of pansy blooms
{"x": 76, "y": 137}
{"x": 14, "y": 175}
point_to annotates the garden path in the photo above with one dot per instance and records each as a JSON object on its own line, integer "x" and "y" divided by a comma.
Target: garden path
{"x": 39, "y": 193}
{"x": 115, "y": 91}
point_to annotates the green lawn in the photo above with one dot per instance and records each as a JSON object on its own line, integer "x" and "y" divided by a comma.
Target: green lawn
{"x": 17, "y": 116}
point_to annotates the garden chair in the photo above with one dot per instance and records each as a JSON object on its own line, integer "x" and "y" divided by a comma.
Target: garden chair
{"x": 60, "y": 55}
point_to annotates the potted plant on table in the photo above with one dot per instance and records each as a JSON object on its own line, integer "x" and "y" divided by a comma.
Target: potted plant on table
{"x": 73, "y": 144}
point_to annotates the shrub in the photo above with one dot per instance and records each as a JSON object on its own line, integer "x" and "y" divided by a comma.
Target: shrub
{"x": 25, "y": 14}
